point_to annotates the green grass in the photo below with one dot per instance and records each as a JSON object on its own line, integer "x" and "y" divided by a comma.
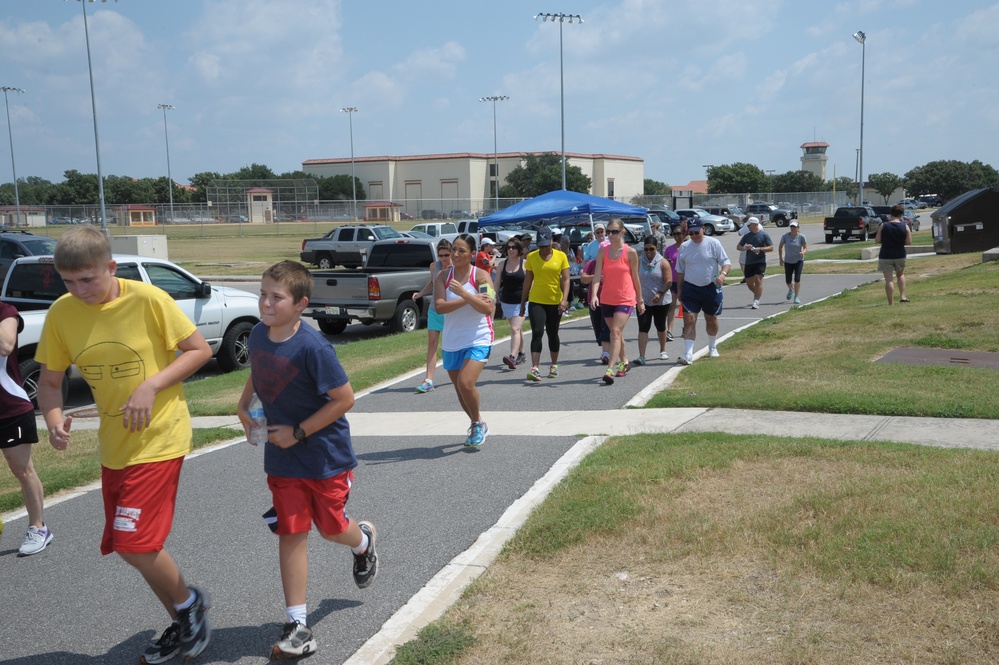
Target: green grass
{"x": 436, "y": 644}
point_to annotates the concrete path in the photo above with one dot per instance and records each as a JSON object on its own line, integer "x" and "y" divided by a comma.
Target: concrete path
{"x": 443, "y": 511}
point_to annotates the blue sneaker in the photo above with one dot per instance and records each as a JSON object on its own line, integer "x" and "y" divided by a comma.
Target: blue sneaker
{"x": 477, "y": 434}
{"x": 425, "y": 387}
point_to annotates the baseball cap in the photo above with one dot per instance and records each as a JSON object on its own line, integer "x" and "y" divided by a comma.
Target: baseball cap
{"x": 544, "y": 237}
{"x": 752, "y": 220}
{"x": 487, "y": 241}
{"x": 599, "y": 225}
{"x": 793, "y": 224}
{"x": 694, "y": 224}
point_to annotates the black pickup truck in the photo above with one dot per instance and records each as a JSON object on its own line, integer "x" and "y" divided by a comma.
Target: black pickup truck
{"x": 381, "y": 292}
{"x": 851, "y": 221}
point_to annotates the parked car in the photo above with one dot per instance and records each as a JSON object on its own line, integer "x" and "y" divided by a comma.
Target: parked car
{"x": 406, "y": 216}
{"x": 713, "y": 224}
{"x": 931, "y": 200}
{"x": 768, "y": 211}
{"x": 15, "y": 244}
{"x": 732, "y": 212}
{"x": 912, "y": 204}
{"x": 237, "y": 219}
{"x": 669, "y": 219}
{"x": 460, "y": 214}
{"x": 431, "y": 214}
{"x": 65, "y": 220}
{"x": 437, "y": 230}
{"x": 345, "y": 245}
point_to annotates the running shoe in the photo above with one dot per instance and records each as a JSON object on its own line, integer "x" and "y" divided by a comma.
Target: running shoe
{"x": 605, "y": 358}
{"x": 425, "y": 387}
{"x": 165, "y": 648}
{"x": 663, "y": 356}
{"x": 553, "y": 372}
{"x": 609, "y": 377}
{"x": 366, "y": 563}
{"x": 640, "y": 360}
{"x": 195, "y": 633}
{"x": 622, "y": 369}
{"x": 713, "y": 352}
{"x": 756, "y": 304}
{"x": 789, "y": 294}
{"x": 685, "y": 359}
{"x": 510, "y": 361}
{"x": 480, "y": 432}
{"x": 521, "y": 358}
{"x": 669, "y": 336}
{"x": 296, "y": 641}
{"x": 35, "y": 540}
{"x": 534, "y": 374}
{"x": 797, "y": 300}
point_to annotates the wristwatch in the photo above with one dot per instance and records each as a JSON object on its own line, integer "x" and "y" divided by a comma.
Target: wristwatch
{"x": 299, "y": 434}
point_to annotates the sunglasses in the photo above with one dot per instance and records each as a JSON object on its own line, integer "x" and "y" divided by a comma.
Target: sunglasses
{"x": 678, "y": 235}
{"x": 614, "y": 232}
{"x": 443, "y": 256}
{"x": 651, "y": 249}
{"x": 509, "y": 247}
{"x": 694, "y": 231}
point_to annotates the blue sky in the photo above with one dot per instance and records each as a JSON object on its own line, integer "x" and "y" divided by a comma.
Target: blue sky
{"x": 680, "y": 84}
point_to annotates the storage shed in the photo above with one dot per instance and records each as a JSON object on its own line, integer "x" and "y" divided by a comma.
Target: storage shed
{"x": 967, "y": 223}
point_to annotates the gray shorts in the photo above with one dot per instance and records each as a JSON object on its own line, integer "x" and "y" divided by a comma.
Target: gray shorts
{"x": 891, "y": 265}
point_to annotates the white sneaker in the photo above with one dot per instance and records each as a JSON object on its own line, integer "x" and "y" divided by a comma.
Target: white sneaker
{"x": 685, "y": 359}
{"x": 663, "y": 356}
{"x": 713, "y": 352}
{"x": 756, "y": 304}
{"x": 35, "y": 540}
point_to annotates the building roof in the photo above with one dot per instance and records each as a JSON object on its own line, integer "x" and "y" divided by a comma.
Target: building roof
{"x": 464, "y": 155}
{"x": 815, "y": 144}
{"x": 382, "y": 204}
{"x": 694, "y": 187}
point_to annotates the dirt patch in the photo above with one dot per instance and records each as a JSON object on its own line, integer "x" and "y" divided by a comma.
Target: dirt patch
{"x": 946, "y": 357}
{"x": 704, "y": 589}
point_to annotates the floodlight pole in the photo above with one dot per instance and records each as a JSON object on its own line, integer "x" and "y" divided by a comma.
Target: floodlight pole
{"x": 166, "y": 136}
{"x": 500, "y": 98}
{"x": 561, "y": 18}
{"x": 862, "y": 38}
{"x": 93, "y": 104}
{"x": 350, "y": 110}
{"x": 17, "y": 198}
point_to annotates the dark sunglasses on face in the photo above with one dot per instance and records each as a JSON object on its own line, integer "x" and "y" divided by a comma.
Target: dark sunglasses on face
{"x": 614, "y": 232}
{"x": 678, "y": 234}
{"x": 509, "y": 247}
{"x": 694, "y": 231}
{"x": 443, "y": 256}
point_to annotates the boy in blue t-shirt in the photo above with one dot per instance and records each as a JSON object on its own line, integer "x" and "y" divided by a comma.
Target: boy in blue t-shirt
{"x": 308, "y": 456}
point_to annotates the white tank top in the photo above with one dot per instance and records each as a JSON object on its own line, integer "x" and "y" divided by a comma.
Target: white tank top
{"x": 465, "y": 327}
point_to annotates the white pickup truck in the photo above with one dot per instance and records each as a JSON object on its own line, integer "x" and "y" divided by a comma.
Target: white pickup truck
{"x": 224, "y": 315}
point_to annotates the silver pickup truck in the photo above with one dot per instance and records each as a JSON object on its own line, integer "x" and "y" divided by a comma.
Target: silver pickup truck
{"x": 345, "y": 246}
{"x": 380, "y": 293}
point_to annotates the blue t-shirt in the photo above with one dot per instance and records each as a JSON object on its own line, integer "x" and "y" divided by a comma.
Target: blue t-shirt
{"x": 292, "y": 378}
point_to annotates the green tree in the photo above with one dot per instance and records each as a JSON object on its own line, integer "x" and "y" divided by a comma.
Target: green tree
{"x": 542, "y": 174}
{"x": 843, "y": 184}
{"x": 950, "y": 178}
{"x": 78, "y": 189}
{"x": 737, "y": 178}
{"x": 656, "y": 188}
{"x": 798, "y": 181}
{"x": 885, "y": 184}
{"x": 200, "y": 182}
{"x": 253, "y": 172}
{"x": 338, "y": 188}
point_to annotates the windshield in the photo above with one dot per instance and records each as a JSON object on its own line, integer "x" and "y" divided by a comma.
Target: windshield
{"x": 384, "y": 232}
{"x": 39, "y": 246}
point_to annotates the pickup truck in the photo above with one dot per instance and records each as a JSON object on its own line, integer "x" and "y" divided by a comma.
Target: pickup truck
{"x": 438, "y": 230}
{"x": 224, "y": 315}
{"x": 856, "y": 221}
{"x": 345, "y": 246}
{"x": 381, "y": 293}
{"x": 764, "y": 211}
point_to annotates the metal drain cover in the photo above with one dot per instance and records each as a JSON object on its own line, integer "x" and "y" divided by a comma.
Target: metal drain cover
{"x": 947, "y": 357}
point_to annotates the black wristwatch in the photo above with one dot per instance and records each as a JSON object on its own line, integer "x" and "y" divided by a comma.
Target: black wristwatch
{"x": 299, "y": 434}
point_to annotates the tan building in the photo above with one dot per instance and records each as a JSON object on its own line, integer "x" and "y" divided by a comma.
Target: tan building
{"x": 814, "y": 158}
{"x": 466, "y": 181}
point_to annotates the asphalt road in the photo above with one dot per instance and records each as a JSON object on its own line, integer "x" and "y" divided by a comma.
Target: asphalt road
{"x": 429, "y": 497}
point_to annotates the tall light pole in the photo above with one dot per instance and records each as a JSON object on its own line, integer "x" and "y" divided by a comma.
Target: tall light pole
{"x": 561, "y": 18}
{"x": 862, "y": 38}
{"x": 17, "y": 199}
{"x": 166, "y": 136}
{"x": 93, "y": 104}
{"x": 350, "y": 111}
{"x": 501, "y": 98}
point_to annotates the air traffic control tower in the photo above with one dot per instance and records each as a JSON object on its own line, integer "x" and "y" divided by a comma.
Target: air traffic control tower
{"x": 814, "y": 158}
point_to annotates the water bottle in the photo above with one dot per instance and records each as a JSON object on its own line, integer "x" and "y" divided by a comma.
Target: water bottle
{"x": 258, "y": 433}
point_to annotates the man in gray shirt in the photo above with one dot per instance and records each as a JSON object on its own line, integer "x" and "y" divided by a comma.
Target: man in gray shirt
{"x": 756, "y": 244}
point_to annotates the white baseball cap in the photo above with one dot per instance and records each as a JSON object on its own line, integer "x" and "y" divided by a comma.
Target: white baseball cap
{"x": 752, "y": 220}
{"x": 793, "y": 223}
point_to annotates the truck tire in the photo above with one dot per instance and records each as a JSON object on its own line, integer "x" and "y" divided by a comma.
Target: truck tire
{"x": 780, "y": 221}
{"x": 324, "y": 261}
{"x": 406, "y": 317}
{"x": 31, "y": 371}
{"x": 709, "y": 230}
{"x": 234, "y": 353}
{"x": 332, "y": 326}
{"x": 830, "y": 239}
{"x": 863, "y": 238}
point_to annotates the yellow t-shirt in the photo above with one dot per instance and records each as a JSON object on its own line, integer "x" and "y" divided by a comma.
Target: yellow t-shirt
{"x": 547, "y": 286}
{"x": 116, "y": 346}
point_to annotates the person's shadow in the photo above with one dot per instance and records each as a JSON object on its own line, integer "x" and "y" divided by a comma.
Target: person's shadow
{"x": 228, "y": 645}
{"x": 416, "y": 453}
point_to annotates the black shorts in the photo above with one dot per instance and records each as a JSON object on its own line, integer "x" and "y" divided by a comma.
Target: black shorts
{"x": 754, "y": 269}
{"x": 18, "y": 429}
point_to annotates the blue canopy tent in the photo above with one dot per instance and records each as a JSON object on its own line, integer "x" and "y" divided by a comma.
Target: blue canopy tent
{"x": 561, "y": 203}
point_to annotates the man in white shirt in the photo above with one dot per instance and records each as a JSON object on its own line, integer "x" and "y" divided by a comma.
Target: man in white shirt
{"x": 701, "y": 268}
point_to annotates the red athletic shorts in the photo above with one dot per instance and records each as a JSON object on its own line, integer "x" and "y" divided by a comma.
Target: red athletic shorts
{"x": 138, "y": 506}
{"x": 301, "y": 501}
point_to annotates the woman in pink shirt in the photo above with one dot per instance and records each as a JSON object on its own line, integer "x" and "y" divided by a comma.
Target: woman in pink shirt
{"x": 620, "y": 291}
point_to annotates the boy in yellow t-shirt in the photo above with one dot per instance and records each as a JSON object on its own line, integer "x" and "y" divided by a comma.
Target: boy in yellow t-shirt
{"x": 124, "y": 336}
